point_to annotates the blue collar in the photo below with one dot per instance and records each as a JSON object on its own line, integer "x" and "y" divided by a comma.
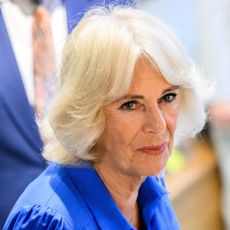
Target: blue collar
{"x": 103, "y": 207}
{"x": 149, "y": 198}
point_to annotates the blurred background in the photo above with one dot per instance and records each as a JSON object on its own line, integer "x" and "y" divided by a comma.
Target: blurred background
{"x": 198, "y": 173}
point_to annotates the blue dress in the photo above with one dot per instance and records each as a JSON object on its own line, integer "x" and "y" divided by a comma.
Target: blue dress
{"x": 68, "y": 197}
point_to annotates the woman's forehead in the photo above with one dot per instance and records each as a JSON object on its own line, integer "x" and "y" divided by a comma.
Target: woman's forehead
{"x": 148, "y": 75}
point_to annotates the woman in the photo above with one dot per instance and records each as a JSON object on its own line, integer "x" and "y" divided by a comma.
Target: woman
{"x": 126, "y": 86}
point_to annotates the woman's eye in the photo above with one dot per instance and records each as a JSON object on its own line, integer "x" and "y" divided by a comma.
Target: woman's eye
{"x": 129, "y": 105}
{"x": 169, "y": 97}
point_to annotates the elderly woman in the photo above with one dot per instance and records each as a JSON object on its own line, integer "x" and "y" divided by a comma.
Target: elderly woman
{"x": 126, "y": 87}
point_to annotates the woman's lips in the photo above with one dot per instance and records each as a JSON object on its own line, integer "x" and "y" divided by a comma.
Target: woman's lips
{"x": 154, "y": 150}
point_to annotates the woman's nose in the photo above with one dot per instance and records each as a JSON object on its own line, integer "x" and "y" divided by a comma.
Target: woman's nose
{"x": 154, "y": 121}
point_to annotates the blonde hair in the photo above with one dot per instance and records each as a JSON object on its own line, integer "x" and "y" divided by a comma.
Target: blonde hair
{"x": 97, "y": 67}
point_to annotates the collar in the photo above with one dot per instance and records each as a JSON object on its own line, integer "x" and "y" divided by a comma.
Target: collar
{"x": 150, "y": 195}
{"x": 101, "y": 204}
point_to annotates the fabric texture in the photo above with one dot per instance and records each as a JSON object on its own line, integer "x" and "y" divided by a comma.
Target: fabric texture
{"x": 76, "y": 198}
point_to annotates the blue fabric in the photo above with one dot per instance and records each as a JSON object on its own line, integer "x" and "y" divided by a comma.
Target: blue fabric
{"x": 76, "y": 198}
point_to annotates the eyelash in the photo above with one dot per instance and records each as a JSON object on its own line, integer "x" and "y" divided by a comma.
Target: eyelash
{"x": 125, "y": 105}
{"x": 167, "y": 98}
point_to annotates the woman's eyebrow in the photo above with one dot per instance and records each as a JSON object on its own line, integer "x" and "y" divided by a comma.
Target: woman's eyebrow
{"x": 171, "y": 88}
{"x": 129, "y": 97}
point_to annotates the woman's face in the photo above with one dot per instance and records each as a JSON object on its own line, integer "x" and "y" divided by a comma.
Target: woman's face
{"x": 139, "y": 127}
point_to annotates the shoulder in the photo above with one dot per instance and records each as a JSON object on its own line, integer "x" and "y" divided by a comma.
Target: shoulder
{"x": 36, "y": 209}
{"x": 36, "y": 217}
{"x": 52, "y": 197}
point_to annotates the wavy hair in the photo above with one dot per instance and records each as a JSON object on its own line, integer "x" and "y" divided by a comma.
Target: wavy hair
{"x": 97, "y": 68}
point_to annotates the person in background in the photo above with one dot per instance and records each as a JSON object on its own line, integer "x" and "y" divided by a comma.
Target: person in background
{"x": 20, "y": 142}
{"x": 214, "y": 45}
{"x": 127, "y": 92}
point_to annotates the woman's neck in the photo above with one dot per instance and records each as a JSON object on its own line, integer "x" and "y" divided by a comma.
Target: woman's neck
{"x": 124, "y": 191}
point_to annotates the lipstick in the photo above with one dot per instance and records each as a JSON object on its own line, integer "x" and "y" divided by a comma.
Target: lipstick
{"x": 154, "y": 150}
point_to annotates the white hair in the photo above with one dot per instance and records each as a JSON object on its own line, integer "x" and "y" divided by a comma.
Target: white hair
{"x": 97, "y": 67}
